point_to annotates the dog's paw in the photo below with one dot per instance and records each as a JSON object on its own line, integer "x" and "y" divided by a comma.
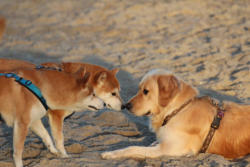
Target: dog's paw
{"x": 53, "y": 150}
{"x": 64, "y": 155}
{"x": 108, "y": 155}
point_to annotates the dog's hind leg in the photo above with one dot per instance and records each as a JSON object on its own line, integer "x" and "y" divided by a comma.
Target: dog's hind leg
{"x": 38, "y": 128}
{"x": 19, "y": 135}
{"x": 137, "y": 152}
{"x": 56, "y": 118}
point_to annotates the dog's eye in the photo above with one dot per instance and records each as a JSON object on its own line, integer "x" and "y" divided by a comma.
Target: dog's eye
{"x": 145, "y": 91}
{"x": 113, "y": 94}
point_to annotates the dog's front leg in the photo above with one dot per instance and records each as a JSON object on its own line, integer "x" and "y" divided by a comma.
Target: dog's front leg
{"x": 38, "y": 128}
{"x": 19, "y": 135}
{"x": 56, "y": 118}
{"x": 137, "y": 152}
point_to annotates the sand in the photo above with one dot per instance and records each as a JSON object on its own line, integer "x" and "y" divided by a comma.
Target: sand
{"x": 206, "y": 43}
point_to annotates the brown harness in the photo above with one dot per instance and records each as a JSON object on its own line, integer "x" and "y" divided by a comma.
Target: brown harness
{"x": 176, "y": 111}
{"x": 214, "y": 125}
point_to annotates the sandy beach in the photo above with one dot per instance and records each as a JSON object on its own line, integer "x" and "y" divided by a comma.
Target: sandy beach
{"x": 206, "y": 43}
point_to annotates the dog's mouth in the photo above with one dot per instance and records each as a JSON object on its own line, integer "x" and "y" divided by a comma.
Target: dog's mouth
{"x": 108, "y": 105}
{"x": 93, "y": 108}
{"x": 148, "y": 113}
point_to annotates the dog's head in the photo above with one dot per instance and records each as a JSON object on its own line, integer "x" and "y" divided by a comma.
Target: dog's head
{"x": 103, "y": 81}
{"x": 156, "y": 90}
{"x": 107, "y": 87}
{"x": 86, "y": 95}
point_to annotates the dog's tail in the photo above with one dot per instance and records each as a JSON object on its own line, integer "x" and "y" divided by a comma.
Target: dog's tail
{"x": 2, "y": 26}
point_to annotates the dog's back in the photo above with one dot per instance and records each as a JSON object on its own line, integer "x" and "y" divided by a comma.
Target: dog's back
{"x": 232, "y": 139}
{"x": 10, "y": 65}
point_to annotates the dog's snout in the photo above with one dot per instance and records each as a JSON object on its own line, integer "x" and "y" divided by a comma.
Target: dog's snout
{"x": 129, "y": 106}
{"x": 104, "y": 104}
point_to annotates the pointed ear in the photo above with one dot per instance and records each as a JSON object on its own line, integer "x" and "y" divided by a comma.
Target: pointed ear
{"x": 114, "y": 71}
{"x": 86, "y": 77}
{"x": 101, "y": 77}
{"x": 80, "y": 73}
{"x": 70, "y": 67}
{"x": 168, "y": 87}
{"x": 83, "y": 76}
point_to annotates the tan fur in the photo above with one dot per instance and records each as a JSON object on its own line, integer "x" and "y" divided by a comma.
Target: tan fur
{"x": 64, "y": 94}
{"x": 9, "y": 65}
{"x": 103, "y": 81}
{"x": 185, "y": 133}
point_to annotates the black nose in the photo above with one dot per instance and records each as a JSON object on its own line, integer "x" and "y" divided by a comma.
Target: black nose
{"x": 104, "y": 104}
{"x": 129, "y": 106}
{"x": 123, "y": 106}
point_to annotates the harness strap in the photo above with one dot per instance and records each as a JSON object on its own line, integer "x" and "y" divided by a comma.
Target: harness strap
{"x": 215, "y": 124}
{"x": 29, "y": 85}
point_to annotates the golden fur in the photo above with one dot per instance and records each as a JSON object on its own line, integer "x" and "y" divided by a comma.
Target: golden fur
{"x": 160, "y": 94}
{"x": 64, "y": 93}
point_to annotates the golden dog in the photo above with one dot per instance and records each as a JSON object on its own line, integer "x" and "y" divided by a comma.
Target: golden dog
{"x": 64, "y": 92}
{"x": 160, "y": 94}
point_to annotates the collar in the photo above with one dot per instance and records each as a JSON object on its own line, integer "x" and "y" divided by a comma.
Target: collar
{"x": 176, "y": 111}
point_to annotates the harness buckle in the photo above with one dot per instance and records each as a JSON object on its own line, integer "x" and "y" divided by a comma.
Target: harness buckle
{"x": 216, "y": 122}
{"x": 9, "y": 75}
{"x": 28, "y": 82}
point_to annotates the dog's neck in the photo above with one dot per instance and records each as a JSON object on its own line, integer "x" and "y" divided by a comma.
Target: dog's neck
{"x": 185, "y": 93}
{"x": 61, "y": 90}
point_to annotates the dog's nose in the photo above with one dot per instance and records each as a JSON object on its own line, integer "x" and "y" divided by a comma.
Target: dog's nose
{"x": 129, "y": 106}
{"x": 104, "y": 104}
{"x": 123, "y": 106}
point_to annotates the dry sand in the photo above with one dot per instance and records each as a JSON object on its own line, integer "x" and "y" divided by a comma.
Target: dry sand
{"x": 207, "y": 43}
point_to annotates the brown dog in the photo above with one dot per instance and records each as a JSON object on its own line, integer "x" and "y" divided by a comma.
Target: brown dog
{"x": 103, "y": 81}
{"x": 161, "y": 94}
{"x": 64, "y": 92}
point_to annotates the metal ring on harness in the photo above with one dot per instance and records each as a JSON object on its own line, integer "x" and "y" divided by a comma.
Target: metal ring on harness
{"x": 28, "y": 82}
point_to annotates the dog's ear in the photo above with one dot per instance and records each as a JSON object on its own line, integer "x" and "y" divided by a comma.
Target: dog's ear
{"x": 101, "y": 77}
{"x": 168, "y": 87}
{"x": 70, "y": 67}
{"x": 86, "y": 78}
{"x": 114, "y": 71}
{"x": 82, "y": 76}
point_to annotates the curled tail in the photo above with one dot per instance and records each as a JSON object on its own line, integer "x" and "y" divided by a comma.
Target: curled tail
{"x": 2, "y": 26}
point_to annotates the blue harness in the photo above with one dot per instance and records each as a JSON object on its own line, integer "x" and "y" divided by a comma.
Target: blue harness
{"x": 29, "y": 85}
